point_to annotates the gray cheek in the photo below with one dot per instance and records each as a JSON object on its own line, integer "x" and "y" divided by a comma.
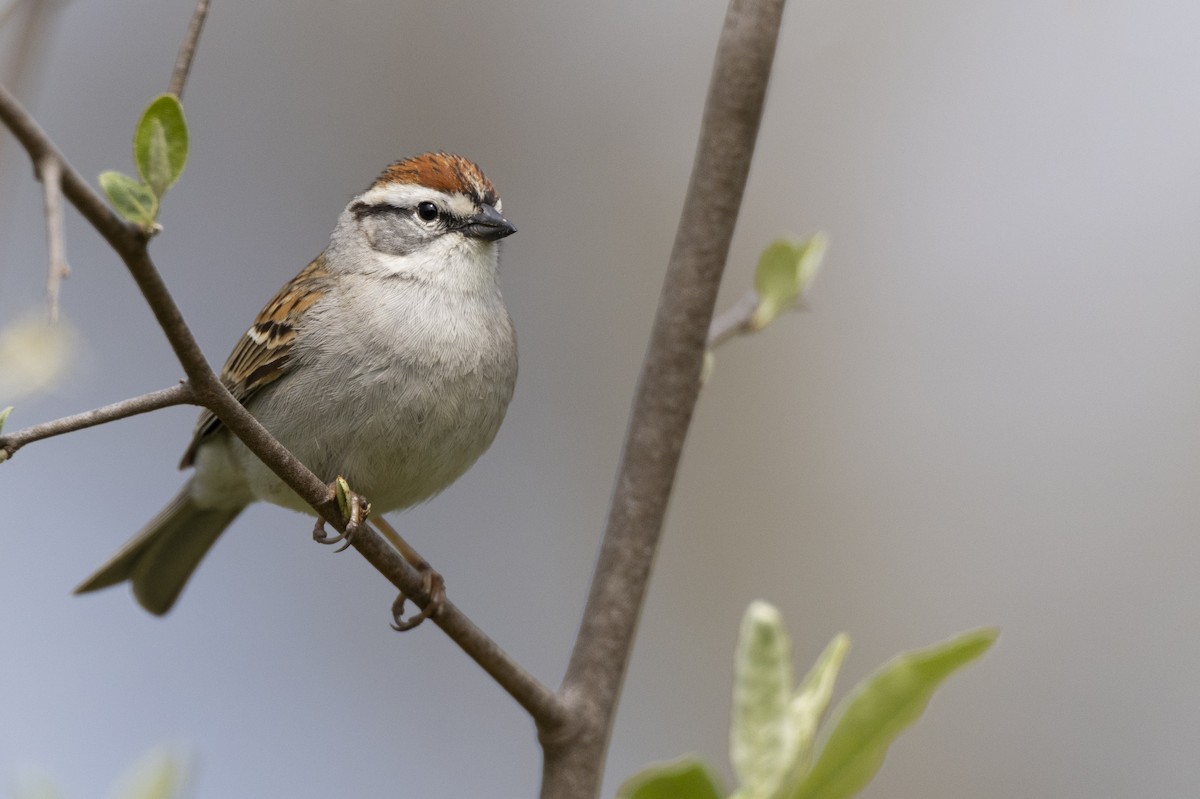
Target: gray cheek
{"x": 385, "y": 235}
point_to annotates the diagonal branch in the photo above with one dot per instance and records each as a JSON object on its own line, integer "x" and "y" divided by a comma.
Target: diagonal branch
{"x": 130, "y": 244}
{"x": 175, "y": 395}
{"x": 667, "y": 391}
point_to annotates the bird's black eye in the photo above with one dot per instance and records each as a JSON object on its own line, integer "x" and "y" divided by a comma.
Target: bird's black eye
{"x": 427, "y": 211}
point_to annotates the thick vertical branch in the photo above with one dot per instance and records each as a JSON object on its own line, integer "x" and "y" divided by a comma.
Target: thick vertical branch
{"x": 666, "y": 396}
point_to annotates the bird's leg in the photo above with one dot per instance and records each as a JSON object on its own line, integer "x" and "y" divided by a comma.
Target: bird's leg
{"x": 432, "y": 583}
{"x": 355, "y": 510}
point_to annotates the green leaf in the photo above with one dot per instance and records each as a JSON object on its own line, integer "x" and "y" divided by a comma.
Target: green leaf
{"x": 132, "y": 200}
{"x": 809, "y": 705}
{"x": 160, "y": 143}
{"x": 760, "y": 735}
{"x": 685, "y": 778}
{"x": 4, "y": 417}
{"x": 879, "y": 709}
{"x": 156, "y": 170}
{"x": 784, "y": 271}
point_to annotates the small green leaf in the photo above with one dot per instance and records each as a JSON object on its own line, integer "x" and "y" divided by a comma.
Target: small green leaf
{"x": 160, "y": 143}
{"x": 157, "y": 167}
{"x": 879, "y": 709}
{"x": 685, "y": 778}
{"x": 342, "y": 489}
{"x": 132, "y": 200}
{"x": 4, "y": 417}
{"x": 784, "y": 271}
{"x": 760, "y": 735}
{"x": 809, "y": 705}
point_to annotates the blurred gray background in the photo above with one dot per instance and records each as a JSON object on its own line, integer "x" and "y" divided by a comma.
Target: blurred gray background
{"x": 991, "y": 415}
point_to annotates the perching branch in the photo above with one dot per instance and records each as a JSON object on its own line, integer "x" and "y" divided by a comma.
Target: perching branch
{"x": 50, "y": 173}
{"x": 187, "y": 50}
{"x": 667, "y": 391}
{"x": 175, "y": 395}
{"x": 130, "y": 244}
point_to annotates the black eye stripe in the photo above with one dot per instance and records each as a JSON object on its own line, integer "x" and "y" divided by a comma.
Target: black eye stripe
{"x": 363, "y": 210}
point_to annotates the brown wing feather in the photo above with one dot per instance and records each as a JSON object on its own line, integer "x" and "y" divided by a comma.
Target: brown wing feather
{"x": 263, "y": 354}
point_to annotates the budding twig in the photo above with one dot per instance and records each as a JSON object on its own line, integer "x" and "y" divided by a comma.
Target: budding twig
{"x": 187, "y": 50}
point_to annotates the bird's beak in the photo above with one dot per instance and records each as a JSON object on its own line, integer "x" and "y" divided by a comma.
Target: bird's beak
{"x": 488, "y": 225}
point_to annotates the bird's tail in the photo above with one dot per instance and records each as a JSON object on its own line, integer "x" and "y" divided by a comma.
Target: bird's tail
{"x": 159, "y": 560}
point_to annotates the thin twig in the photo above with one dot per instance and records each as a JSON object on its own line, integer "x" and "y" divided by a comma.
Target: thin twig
{"x": 187, "y": 50}
{"x": 733, "y": 321}
{"x": 175, "y": 395}
{"x": 130, "y": 244}
{"x": 666, "y": 396}
{"x": 58, "y": 269}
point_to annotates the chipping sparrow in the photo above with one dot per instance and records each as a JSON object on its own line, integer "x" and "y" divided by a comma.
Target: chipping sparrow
{"x": 389, "y": 360}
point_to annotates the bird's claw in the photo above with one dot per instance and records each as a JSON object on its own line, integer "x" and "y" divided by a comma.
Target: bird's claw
{"x": 434, "y": 586}
{"x": 355, "y": 509}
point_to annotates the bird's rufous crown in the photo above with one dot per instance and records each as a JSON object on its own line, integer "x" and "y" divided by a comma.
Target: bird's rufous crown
{"x": 441, "y": 172}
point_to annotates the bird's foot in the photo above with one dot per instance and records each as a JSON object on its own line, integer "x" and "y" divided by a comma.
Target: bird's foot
{"x": 434, "y": 586}
{"x": 355, "y": 510}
